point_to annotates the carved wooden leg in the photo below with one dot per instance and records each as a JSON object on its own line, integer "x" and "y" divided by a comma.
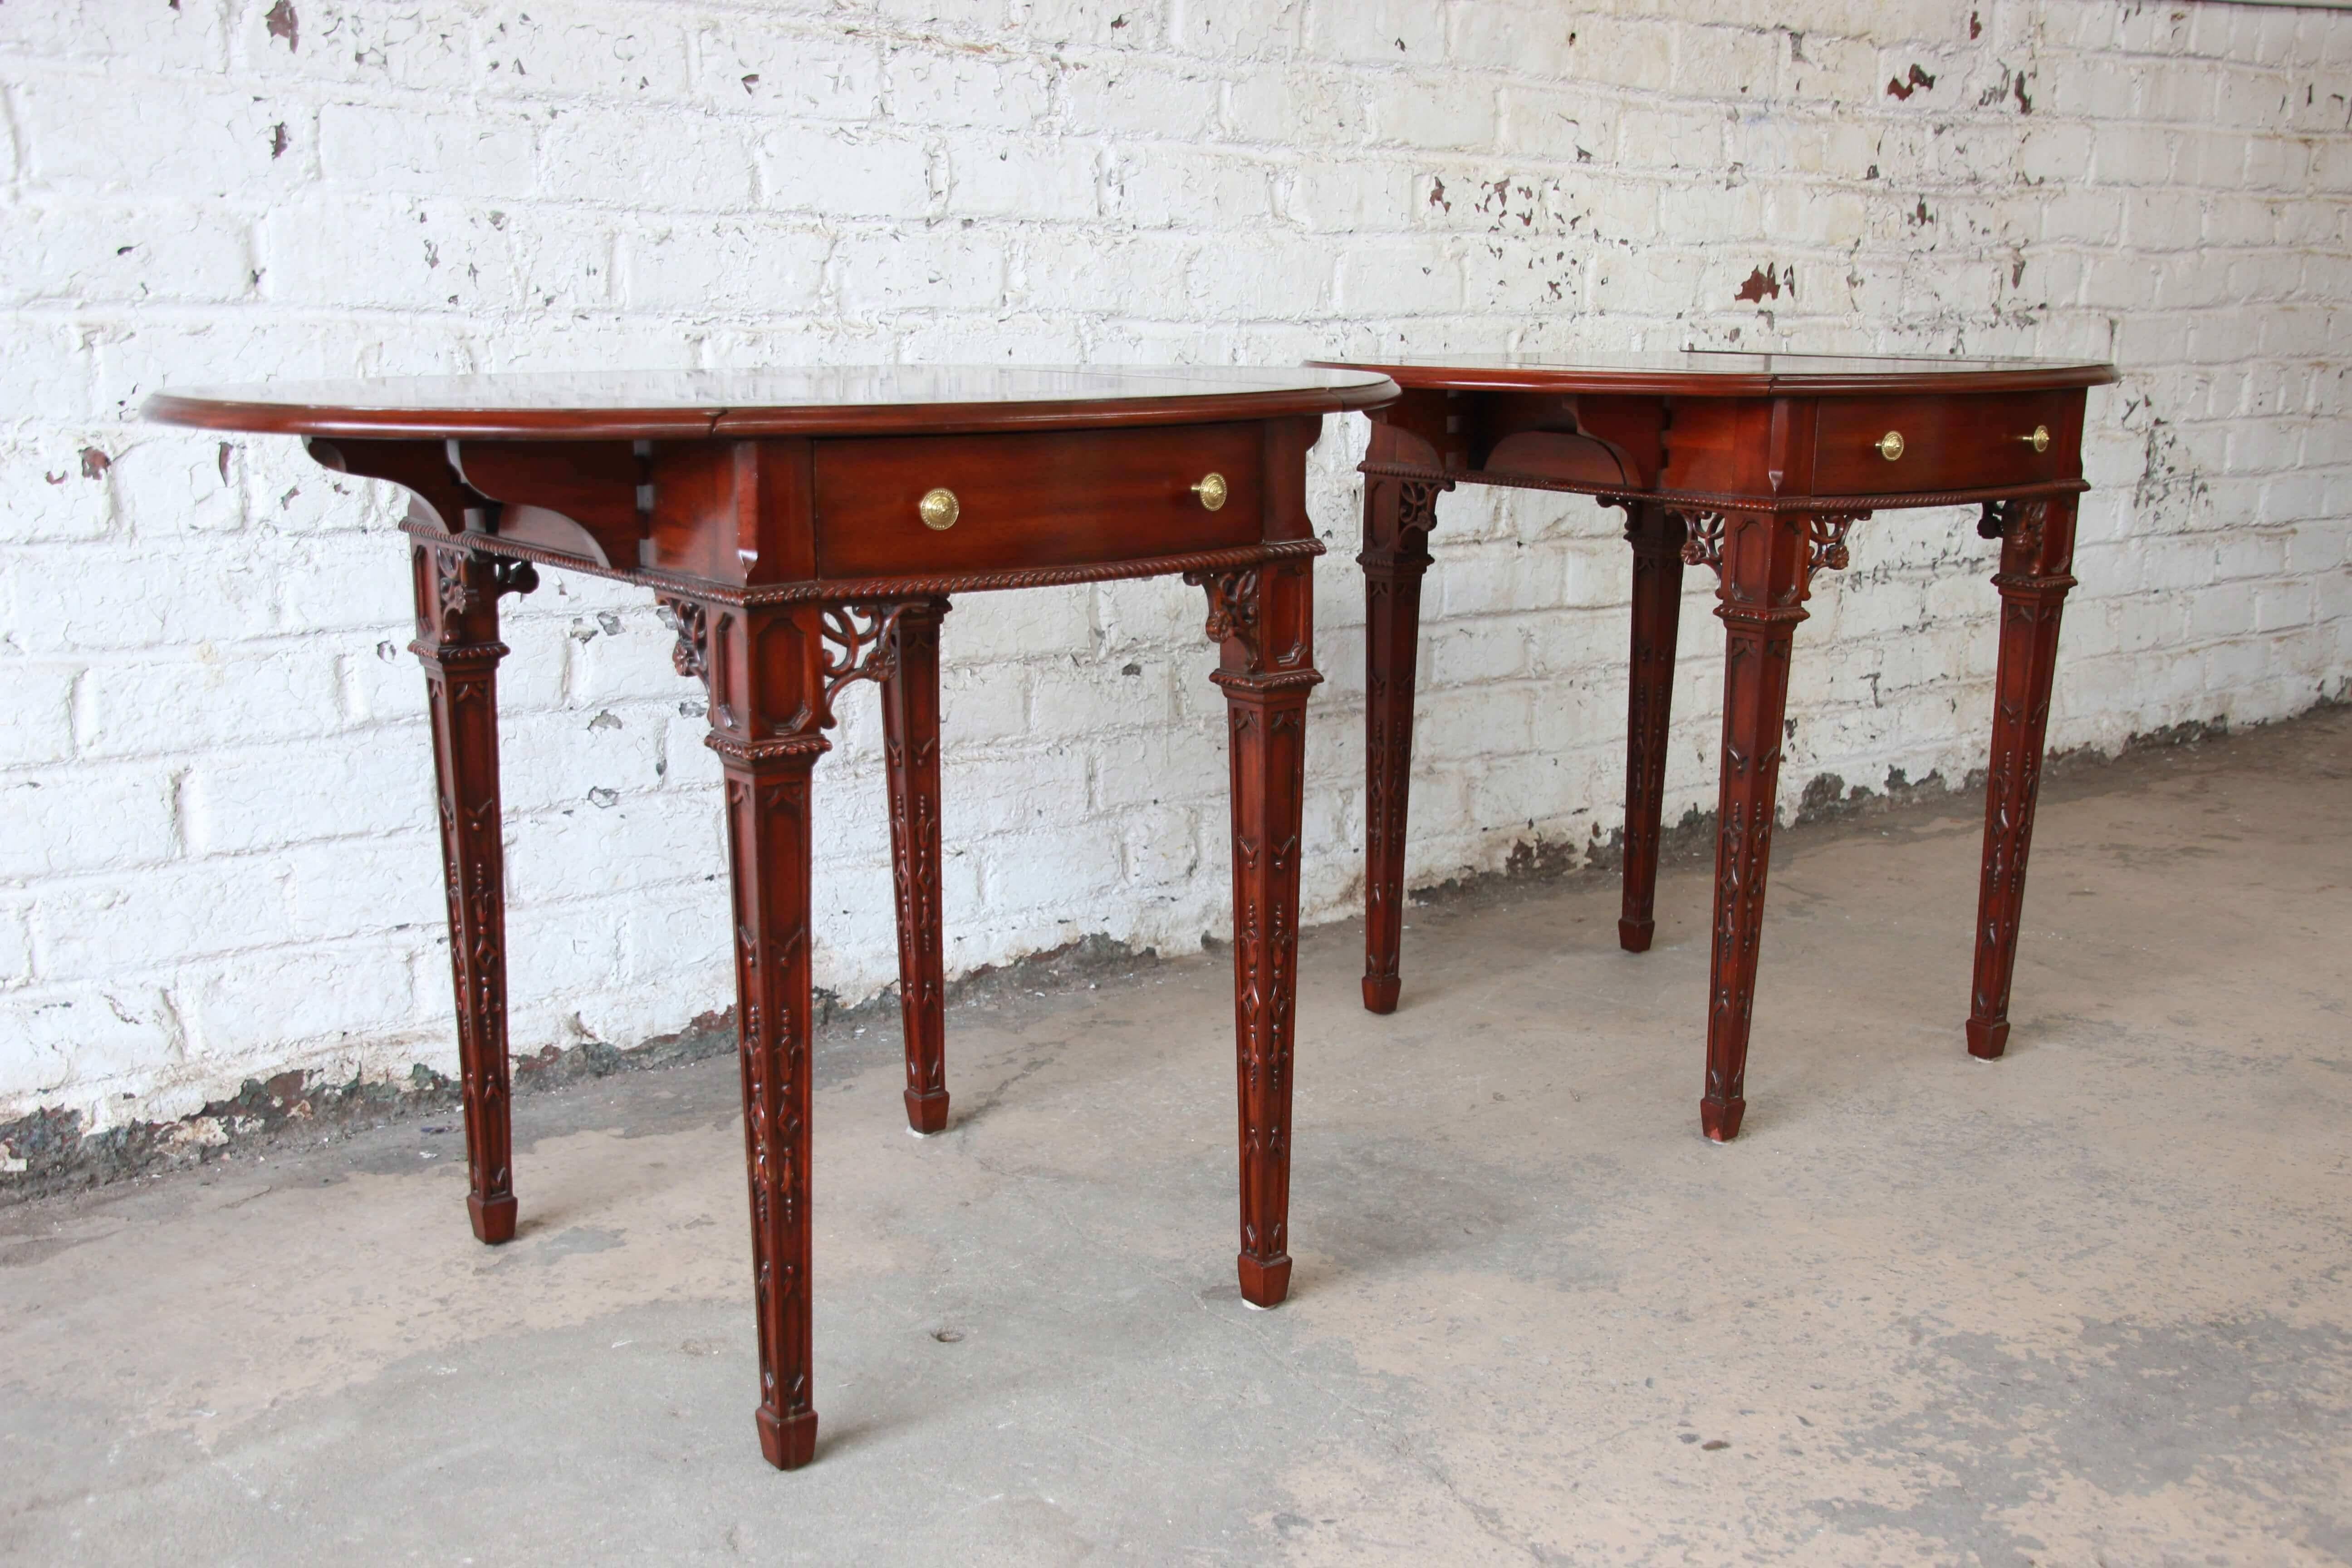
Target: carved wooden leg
{"x": 768, "y": 847}
{"x": 1398, "y": 516}
{"x": 1265, "y": 621}
{"x": 1763, "y": 564}
{"x": 765, "y": 669}
{"x": 2036, "y": 554}
{"x": 1656, "y": 536}
{"x": 911, "y": 730}
{"x": 457, "y": 641}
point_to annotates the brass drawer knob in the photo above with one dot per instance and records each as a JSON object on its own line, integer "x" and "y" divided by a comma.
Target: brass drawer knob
{"x": 2040, "y": 439}
{"x": 1890, "y": 446}
{"x": 1212, "y": 491}
{"x": 940, "y": 509}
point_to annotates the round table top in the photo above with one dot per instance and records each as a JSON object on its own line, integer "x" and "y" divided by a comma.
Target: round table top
{"x": 822, "y": 400}
{"x": 1706, "y": 373}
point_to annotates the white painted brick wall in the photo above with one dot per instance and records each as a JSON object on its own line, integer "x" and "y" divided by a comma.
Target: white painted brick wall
{"x": 216, "y": 851}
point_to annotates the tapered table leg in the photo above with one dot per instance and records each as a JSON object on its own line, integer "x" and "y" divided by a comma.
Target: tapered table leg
{"x": 1762, "y": 564}
{"x": 1264, "y": 622}
{"x": 911, "y": 731}
{"x": 457, "y": 642}
{"x": 2037, "y": 554}
{"x": 1398, "y": 516}
{"x": 765, "y": 667}
{"x": 768, "y": 846}
{"x": 1656, "y": 536}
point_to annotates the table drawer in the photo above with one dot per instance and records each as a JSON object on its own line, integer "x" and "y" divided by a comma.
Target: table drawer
{"x": 1051, "y": 498}
{"x": 1947, "y": 442}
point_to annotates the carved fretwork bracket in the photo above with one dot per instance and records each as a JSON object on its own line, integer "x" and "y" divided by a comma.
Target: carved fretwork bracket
{"x": 1825, "y": 544}
{"x": 858, "y": 645}
{"x": 1825, "y": 541}
{"x": 1233, "y": 606}
{"x": 2019, "y": 522}
{"x": 1703, "y": 538}
{"x": 451, "y": 588}
{"x": 773, "y": 673}
{"x": 462, "y": 596}
{"x": 692, "y": 656}
{"x": 1263, "y": 619}
{"x": 1417, "y": 512}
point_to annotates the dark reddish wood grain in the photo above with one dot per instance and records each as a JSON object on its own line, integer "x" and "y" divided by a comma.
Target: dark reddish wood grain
{"x": 846, "y": 400}
{"x": 1756, "y": 466}
{"x": 1761, "y": 561}
{"x": 1262, "y": 621}
{"x": 457, "y": 594}
{"x": 910, "y": 747}
{"x": 438, "y": 499}
{"x": 768, "y": 711}
{"x": 774, "y": 517}
{"x": 1032, "y": 499}
{"x": 1726, "y": 373}
{"x": 2037, "y": 558}
{"x": 1398, "y": 516}
{"x": 1947, "y": 442}
{"x": 582, "y": 495}
{"x": 1656, "y": 535}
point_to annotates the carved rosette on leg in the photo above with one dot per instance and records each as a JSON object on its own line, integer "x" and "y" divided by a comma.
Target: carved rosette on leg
{"x": 910, "y": 741}
{"x": 457, "y": 642}
{"x": 1656, "y": 535}
{"x": 1263, "y": 620}
{"x": 1397, "y": 515}
{"x": 1764, "y": 563}
{"x": 2037, "y": 556}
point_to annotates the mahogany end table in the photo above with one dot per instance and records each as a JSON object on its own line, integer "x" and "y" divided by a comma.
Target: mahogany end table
{"x": 1754, "y": 466}
{"x": 804, "y": 528}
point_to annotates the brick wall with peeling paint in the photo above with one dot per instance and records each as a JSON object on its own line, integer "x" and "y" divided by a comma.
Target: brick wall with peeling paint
{"x": 215, "y": 853}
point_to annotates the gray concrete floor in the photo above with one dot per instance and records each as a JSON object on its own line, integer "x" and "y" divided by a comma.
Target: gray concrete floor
{"x": 2092, "y": 1304}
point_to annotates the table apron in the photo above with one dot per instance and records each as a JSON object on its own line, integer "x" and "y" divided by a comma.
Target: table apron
{"x": 1710, "y": 501}
{"x": 906, "y": 586}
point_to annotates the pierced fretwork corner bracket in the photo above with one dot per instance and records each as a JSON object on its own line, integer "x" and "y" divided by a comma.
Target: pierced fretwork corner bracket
{"x": 2018, "y": 521}
{"x": 1232, "y": 606}
{"x": 1825, "y": 541}
{"x": 1417, "y": 512}
{"x": 1703, "y": 538}
{"x": 858, "y": 644}
{"x": 692, "y": 656}
{"x": 1825, "y": 534}
{"x": 456, "y": 591}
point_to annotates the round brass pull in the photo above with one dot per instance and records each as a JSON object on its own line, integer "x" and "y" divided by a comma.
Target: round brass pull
{"x": 1890, "y": 446}
{"x": 2040, "y": 439}
{"x": 940, "y": 509}
{"x": 1212, "y": 491}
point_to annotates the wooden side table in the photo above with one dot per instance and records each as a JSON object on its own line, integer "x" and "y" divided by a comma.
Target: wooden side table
{"x": 805, "y": 528}
{"x": 1754, "y": 466}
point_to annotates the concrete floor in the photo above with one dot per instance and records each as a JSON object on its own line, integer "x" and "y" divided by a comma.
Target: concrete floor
{"x": 2092, "y": 1304}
